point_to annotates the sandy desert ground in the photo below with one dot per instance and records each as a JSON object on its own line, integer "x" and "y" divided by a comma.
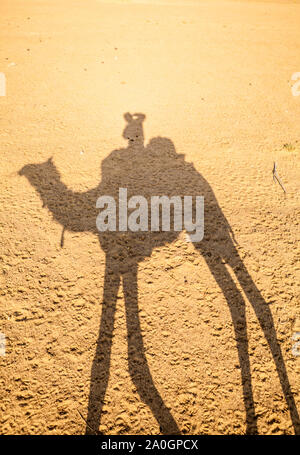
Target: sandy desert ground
{"x": 214, "y": 78}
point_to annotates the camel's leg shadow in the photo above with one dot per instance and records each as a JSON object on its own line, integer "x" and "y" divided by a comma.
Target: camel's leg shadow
{"x": 138, "y": 365}
{"x": 265, "y": 318}
{"x": 101, "y": 362}
{"x": 237, "y": 309}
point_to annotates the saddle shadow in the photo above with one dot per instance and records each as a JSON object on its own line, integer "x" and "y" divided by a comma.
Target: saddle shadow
{"x": 155, "y": 170}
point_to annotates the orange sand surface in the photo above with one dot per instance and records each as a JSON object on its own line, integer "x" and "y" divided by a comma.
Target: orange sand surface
{"x": 213, "y": 80}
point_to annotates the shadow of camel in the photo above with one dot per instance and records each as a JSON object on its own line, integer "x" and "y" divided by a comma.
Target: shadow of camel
{"x": 155, "y": 170}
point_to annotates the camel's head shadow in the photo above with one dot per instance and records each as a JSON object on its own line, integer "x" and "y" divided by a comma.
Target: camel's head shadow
{"x": 37, "y": 173}
{"x": 44, "y": 177}
{"x": 75, "y": 211}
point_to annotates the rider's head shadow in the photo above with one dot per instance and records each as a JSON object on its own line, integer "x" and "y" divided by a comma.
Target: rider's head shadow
{"x": 134, "y": 131}
{"x": 151, "y": 170}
